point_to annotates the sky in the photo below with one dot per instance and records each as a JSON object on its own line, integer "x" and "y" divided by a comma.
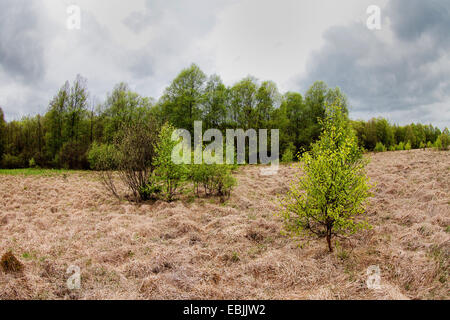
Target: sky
{"x": 401, "y": 72}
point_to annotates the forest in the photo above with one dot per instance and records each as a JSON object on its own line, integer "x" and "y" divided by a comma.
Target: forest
{"x": 72, "y": 124}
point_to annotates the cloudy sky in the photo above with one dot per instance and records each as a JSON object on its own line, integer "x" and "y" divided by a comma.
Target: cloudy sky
{"x": 401, "y": 72}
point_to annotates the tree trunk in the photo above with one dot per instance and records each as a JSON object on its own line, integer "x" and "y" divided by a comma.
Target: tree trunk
{"x": 329, "y": 239}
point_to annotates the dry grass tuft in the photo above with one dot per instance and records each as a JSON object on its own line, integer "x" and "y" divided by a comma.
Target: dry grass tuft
{"x": 10, "y": 264}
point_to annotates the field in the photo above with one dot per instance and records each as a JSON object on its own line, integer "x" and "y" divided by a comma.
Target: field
{"x": 204, "y": 249}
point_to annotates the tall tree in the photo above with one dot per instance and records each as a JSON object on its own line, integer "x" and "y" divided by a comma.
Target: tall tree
{"x": 215, "y": 103}
{"x": 2, "y": 133}
{"x": 181, "y": 102}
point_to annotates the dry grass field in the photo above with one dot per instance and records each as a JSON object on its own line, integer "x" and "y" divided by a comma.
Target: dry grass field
{"x": 205, "y": 249}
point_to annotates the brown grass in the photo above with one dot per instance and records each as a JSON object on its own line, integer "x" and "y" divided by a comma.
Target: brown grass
{"x": 203, "y": 249}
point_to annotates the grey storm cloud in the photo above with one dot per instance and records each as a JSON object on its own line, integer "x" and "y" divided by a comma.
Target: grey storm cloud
{"x": 389, "y": 75}
{"x": 21, "y": 51}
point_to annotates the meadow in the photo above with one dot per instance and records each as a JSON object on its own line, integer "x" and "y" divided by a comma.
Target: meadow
{"x": 204, "y": 248}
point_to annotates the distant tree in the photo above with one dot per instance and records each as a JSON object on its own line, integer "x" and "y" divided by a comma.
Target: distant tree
{"x": 444, "y": 140}
{"x": 243, "y": 104}
{"x": 181, "y": 102}
{"x": 215, "y": 103}
{"x": 122, "y": 108}
{"x": 267, "y": 99}
{"x": 2, "y": 134}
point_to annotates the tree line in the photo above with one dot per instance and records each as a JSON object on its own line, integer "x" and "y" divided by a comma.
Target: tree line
{"x": 63, "y": 136}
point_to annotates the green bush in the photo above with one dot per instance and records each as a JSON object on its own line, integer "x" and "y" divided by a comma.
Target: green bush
{"x": 103, "y": 157}
{"x": 444, "y": 140}
{"x": 380, "y": 147}
{"x": 213, "y": 178}
{"x": 326, "y": 199}
{"x": 400, "y": 146}
{"x": 408, "y": 146}
{"x": 288, "y": 154}
{"x": 167, "y": 173}
{"x": 422, "y": 145}
{"x": 12, "y": 162}
{"x": 73, "y": 155}
{"x": 429, "y": 145}
{"x": 32, "y": 163}
{"x": 392, "y": 148}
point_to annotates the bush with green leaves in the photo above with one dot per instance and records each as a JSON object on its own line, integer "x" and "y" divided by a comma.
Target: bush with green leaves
{"x": 400, "y": 146}
{"x": 103, "y": 157}
{"x": 408, "y": 146}
{"x": 167, "y": 173}
{"x": 329, "y": 196}
{"x": 288, "y": 154}
{"x": 12, "y": 162}
{"x": 32, "y": 163}
{"x": 380, "y": 147}
{"x": 212, "y": 178}
{"x": 443, "y": 141}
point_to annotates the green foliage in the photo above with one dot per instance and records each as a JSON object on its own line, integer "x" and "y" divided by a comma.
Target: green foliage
{"x": 32, "y": 163}
{"x": 288, "y": 155}
{"x": 443, "y": 141}
{"x": 408, "y": 146}
{"x": 136, "y": 150}
{"x": 2, "y": 134}
{"x": 333, "y": 189}
{"x": 73, "y": 122}
{"x": 103, "y": 157}
{"x": 380, "y": 147}
{"x": 168, "y": 173}
{"x": 73, "y": 155}
{"x": 12, "y": 162}
{"x": 213, "y": 178}
{"x": 400, "y": 147}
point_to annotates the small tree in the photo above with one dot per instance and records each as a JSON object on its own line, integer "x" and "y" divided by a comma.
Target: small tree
{"x": 444, "y": 140}
{"x": 332, "y": 191}
{"x": 167, "y": 172}
{"x": 380, "y": 147}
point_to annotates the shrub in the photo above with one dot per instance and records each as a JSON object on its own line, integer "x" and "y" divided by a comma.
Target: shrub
{"x": 136, "y": 156}
{"x": 400, "y": 146}
{"x": 214, "y": 178}
{"x": 73, "y": 155}
{"x": 32, "y": 163}
{"x": 444, "y": 140}
{"x": 132, "y": 154}
{"x": 392, "y": 148}
{"x": 429, "y": 145}
{"x": 103, "y": 157}
{"x": 422, "y": 145}
{"x": 380, "y": 147}
{"x": 12, "y": 162}
{"x": 169, "y": 174}
{"x": 332, "y": 191}
{"x": 408, "y": 146}
{"x": 288, "y": 154}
